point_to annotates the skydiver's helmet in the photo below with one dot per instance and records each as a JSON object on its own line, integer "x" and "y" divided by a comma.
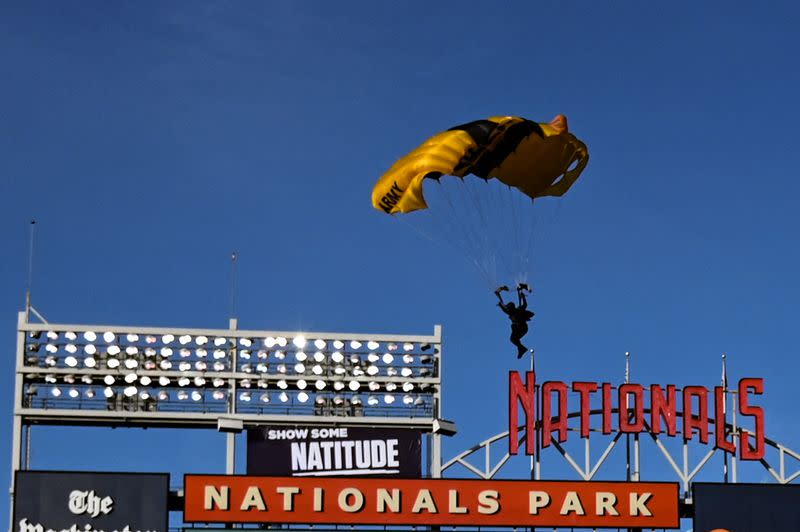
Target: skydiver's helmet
{"x": 511, "y": 306}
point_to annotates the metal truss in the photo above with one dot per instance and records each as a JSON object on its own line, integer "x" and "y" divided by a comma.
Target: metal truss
{"x": 231, "y": 379}
{"x": 141, "y": 376}
{"x": 486, "y": 459}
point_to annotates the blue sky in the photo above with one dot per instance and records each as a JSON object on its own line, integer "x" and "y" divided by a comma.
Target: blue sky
{"x": 150, "y": 139}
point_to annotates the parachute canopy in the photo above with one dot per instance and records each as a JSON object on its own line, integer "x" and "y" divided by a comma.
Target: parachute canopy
{"x": 537, "y": 159}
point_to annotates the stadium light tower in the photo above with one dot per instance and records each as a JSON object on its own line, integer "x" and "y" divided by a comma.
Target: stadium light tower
{"x": 228, "y": 379}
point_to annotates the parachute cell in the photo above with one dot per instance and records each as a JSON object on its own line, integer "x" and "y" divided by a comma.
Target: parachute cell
{"x": 536, "y": 159}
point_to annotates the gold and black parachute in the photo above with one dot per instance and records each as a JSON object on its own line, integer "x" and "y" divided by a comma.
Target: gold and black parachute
{"x": 536, "y": 159}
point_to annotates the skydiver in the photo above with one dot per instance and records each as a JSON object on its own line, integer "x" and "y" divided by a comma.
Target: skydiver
{"x": 519, "y": 315}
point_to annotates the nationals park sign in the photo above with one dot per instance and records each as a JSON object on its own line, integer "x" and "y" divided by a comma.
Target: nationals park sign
{"x": 626, "y": 409}
{"x": 394, "y": 501}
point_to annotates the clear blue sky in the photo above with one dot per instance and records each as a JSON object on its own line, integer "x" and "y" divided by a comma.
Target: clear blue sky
{"x": 149, "y": 139}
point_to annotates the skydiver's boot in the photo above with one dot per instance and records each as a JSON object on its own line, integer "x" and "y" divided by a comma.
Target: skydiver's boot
{"x": 522, "y": 350}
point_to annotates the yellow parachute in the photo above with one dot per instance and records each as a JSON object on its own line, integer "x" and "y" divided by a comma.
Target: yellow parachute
{"x": 537, "y": 159}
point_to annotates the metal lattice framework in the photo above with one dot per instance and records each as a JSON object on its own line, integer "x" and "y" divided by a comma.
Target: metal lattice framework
{"x": 231, "y": 379}
{"x": 486, "y": 459}
{"x": 103, "y": 374}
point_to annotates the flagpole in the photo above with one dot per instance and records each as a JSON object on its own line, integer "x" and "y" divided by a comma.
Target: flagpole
{"x": 724, "y": 412}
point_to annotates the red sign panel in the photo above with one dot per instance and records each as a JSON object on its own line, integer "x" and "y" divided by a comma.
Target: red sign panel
{"x": 632, "y": 411}
{"x": 389, "y": 501}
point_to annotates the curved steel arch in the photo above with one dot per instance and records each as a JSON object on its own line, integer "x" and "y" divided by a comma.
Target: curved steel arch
{"x": 777, "y": 453}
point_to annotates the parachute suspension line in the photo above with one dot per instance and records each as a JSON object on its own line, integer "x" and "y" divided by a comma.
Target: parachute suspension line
{"x": 487, "y": 209}
{"x": 404, "y": 220}
{"x": 464, "y": 235}
{"x": 530, "y": 249}
{"x": 454, "y": 242}
{"x": 516, "y": 254}
{"x": 514, "y": 231}
{"x": 501, "y": 221}
{"x": 485, "y": 250}
{"x": 526, "y": 233}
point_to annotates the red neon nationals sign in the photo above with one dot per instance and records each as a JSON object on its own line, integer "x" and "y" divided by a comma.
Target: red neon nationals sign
{"x": 370, "y": 501}
{"x": 632, "y": 408}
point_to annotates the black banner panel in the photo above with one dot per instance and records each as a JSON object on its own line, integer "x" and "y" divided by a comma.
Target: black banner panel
{"x": 87, "y": 502}
{"x": 746, "y": 507}
{"x": 321, "y": 451}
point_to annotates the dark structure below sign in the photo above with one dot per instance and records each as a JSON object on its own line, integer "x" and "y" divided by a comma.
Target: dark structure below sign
{"x": 746, "y": 507}
{"x": 72, "y": 501}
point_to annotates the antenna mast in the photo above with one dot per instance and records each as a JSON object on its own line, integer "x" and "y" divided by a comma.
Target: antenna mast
{"x": 234, "y": 281}
{"x": 30, "y": 270}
